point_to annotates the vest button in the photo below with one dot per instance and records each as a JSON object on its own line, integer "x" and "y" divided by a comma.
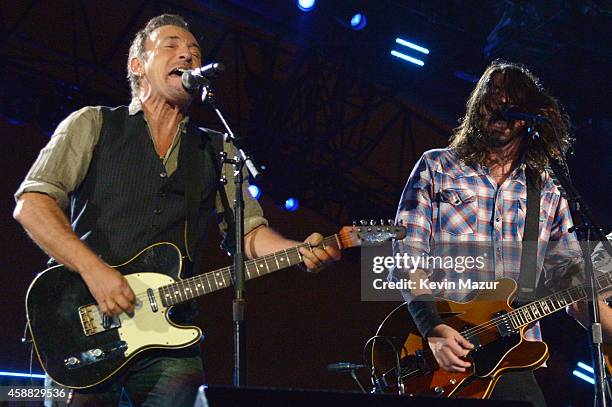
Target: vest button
{"x": 157, "y": 211}
{"x": 163, "y": 174}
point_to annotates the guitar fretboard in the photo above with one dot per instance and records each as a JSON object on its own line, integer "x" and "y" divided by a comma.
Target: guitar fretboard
{"x": 185, "y": 290}
{"x": 539, "y": 309}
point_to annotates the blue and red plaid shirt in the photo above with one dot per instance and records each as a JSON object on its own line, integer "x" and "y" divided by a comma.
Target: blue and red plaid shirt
{"x": 448, "y": 203}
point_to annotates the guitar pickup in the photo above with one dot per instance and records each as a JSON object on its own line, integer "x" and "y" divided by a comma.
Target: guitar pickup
{"x": 93, "y": 321}
{"x": 90, "y": 356}
{"x": 503, "y": 324}
{"x": 473, "y": 339}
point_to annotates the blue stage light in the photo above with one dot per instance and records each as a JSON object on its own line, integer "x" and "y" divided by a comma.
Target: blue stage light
{"x": 254, "y": 191}
{"x": 305, "y": 5}
{"x": 584, "y": 377}
{"x": 586, "y": 367}
{"x": 412, "y": 45}
{"x": 292, "y": 204}
{"x": 358, "y": 21}
{"x": 407, "y": 58}
{"x": 13, "y": 374}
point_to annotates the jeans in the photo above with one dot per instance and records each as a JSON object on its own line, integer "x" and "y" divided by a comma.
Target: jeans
{"x": 519, "y": 386}
{"x": 159, "y": 378}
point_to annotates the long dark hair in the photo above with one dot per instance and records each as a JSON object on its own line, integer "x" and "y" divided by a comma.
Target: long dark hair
{"x": 528, "y": 95}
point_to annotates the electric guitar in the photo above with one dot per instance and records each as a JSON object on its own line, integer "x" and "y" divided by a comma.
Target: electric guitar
{"x": 78, "y": 347}
{"x": 488, "y": 321}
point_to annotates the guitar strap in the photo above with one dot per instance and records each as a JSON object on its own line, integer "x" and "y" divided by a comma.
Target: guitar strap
{"x": 529, "y": 276}
{"x": 213, "y": 146}
{"x": 228, "y": 243}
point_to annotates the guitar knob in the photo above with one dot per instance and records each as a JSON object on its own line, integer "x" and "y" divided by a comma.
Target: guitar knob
{"x": 439, "y": 390}
{"x": 71, "y": 361}
{"x": 453, "y": 381}
{"x": 97, "y": 353}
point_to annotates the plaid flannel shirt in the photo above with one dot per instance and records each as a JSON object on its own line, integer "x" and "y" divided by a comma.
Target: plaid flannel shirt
{"x": 447, "y": 202}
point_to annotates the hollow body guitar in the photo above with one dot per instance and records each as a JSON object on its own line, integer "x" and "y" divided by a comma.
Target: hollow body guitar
{"x": 78, "y": 347}
{"x": 488, "y": 321}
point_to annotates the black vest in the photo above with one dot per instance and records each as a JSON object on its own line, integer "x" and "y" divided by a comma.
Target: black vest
{"x": 127, "y": 201}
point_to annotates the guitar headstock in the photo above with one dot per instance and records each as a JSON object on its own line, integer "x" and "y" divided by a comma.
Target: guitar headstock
{"x": 370, "y": 233}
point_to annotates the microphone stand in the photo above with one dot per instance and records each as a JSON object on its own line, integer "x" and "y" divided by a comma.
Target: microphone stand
{"x": 241, "y": 160}
{"x": 588, "y": 228}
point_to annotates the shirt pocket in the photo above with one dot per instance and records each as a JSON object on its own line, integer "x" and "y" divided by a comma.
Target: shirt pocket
{"x": 458, "y": 211}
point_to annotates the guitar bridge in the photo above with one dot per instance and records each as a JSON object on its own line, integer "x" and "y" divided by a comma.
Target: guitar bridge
{"x": 93, "y": 321}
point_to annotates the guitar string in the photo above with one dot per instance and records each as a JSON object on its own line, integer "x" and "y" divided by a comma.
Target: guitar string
{"x": 226, "y": 271}
{"x": 517, "y": 311}
{"x": 485, "y": 328}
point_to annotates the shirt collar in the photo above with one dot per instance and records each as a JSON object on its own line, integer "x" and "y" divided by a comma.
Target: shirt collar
{"x": 519, "y": 172}
{"x": 517, "y": 175}
{"x": 135, "y": 107}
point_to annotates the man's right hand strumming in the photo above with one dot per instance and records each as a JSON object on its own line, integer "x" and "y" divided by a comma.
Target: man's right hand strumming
{"x": 449, "y": 347}
{"x": 110, "y": 289}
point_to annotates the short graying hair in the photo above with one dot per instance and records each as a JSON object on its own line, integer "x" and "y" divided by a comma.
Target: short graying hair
{"x": 137, "y": 48}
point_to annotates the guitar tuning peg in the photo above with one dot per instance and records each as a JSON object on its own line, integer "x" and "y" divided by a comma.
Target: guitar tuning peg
{"x": 372, "y": 222}
{"x": 390, "y": 222}
{"x": 363, "y": 222}
{"x": 354, "y": 223}
{"x": 382, "y": 222}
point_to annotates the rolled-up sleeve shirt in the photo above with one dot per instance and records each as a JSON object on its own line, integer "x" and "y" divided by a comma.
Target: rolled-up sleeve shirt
{"x": 447, "y": 202}
{"x": 63, "y": 163}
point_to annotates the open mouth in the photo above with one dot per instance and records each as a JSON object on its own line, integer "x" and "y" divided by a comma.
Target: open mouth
{"x": 177, "y": 72}
{"x": 499, "y": 124}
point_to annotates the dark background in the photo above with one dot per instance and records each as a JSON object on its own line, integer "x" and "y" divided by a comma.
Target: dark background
{"x": 337, "y": 121}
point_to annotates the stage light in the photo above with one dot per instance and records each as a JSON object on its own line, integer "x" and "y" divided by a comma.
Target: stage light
{"x": 407, "y": 58}
{"x": 586, "y": 367}
{"x": 13, "y": 374}
{"x": 305, "y": 5}
{"x": 588, "y": 376}
{"x": 584, "y": 377}
{"x": 358, "y": 21}
{"x": 254, "y": 191}
{"x": 412, "y": 45}
{"x": 292, "y": 204}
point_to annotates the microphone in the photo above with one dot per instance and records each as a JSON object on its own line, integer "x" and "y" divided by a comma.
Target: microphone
{"x": 344, "y": 367}
{"x": 512, "y": 113}
{"x": 193, "y": 79}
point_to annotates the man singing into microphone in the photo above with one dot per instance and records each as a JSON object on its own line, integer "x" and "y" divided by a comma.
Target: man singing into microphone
{"x": 475, "y": 192}
{"x": 128, "y": 172}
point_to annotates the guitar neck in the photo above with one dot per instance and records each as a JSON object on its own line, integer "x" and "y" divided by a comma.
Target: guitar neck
{"x": 539, "y": 309}
{"x": 197, "y": 286}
